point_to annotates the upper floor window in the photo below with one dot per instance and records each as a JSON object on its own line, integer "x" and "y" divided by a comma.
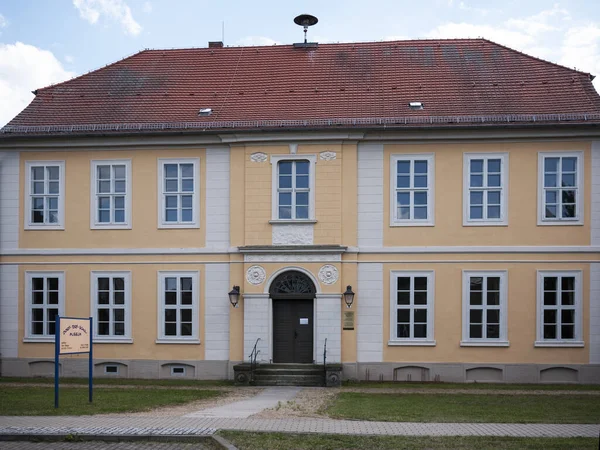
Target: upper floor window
{"x": 44, "y": 195}
{"x": 111, "y": 305}
{"x": 560, "y": 189}
{"x": 485, "y": 189}
{"x": 111, "y": 194}
{"x": 411, "y": 312}
{"x": 179, "y": 193}
{"x": 178, "y": 306}
{"x": 484, "y": 309}
{"x": 559, "y": 309}
{"x": 293, "y": 187}
{"x": 412, "y": 194}
{"x": 44, "y": 293}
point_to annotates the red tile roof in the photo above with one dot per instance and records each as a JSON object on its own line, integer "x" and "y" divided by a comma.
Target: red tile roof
{"x": 472, "y": 80}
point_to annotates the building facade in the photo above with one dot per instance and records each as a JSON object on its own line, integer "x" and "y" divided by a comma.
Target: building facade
{"x": 472, "y": 243}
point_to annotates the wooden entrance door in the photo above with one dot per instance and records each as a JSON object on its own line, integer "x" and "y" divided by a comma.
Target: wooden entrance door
{"x": 292, "y": 331}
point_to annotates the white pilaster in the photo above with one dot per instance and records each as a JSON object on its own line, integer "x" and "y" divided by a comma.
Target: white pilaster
{"x": 9, "y": 311}
{"x": 595, "y": 313}
{"x": 595, "y": 207}
{"x": 216, "y": 312}
{"x": 370, "y": 195}
{"x": 369, "y": 323}
{"x": 217, "y": 197}
{"x": 9, "y": 200}
{"x": 257, "y": 324}
{"x": 328, "y": 318}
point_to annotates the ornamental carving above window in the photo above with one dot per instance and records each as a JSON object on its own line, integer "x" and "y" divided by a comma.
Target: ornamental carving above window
{"x": 292, "y": 282}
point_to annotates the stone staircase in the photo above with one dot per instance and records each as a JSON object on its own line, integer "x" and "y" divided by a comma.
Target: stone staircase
{"x": 288, "y": 375}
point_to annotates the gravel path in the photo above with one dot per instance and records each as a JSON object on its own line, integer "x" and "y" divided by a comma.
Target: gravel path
{"x": 309, "y": 402}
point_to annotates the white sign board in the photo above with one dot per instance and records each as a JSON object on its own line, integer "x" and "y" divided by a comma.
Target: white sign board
{"x": 74, "y": 336}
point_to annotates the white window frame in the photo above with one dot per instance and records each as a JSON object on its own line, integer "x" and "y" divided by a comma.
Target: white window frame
{"x": 162, "y": 223}
{"x": 112, "y": 374}
{"x": 29, "y": 275}
{"x": 504, "y": 172}
{"x": 394, "y": 220}
{"x": 579, "y": 186}
{"x": 182, "y": 374}
{"x": 578, "y": 335}
{"x": 429, "y": 340}
{"x": 28, "y": 224}
{"x": 95, "y": 224}
{"x": 94, "y": 305}
{"x": 275, "y": 159}
{"x": 502, "y": 340}
{"x": 194, "y": 338}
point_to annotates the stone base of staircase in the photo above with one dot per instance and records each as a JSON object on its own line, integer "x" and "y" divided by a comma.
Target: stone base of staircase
{"x": 288, "y": 375}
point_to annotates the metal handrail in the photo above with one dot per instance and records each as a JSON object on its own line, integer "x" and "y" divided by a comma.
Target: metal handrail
{"x": 253, "y": 363}
{"x": 325, "y": 360}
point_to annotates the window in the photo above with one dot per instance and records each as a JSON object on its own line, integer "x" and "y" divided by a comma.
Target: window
{"x": 111, "y": 194}
{"x": 179, "y": 193}
{"x": 560, "y": 189}
{"x": 411, "y": 308}
{"x": 177, "y": 371}
{"x": 484, "y": 309}
{"x": 412, "y": 190}
{"x": 111, "y": 370}
{"x": 44, "y": 301}
{"x": 178, "y": 306}
{"x": 293, "y": 188}
{"x": 44, "y": 195}
{"x": 559, "y": 309}
{"x": 485, "y": 189}
{"x": 111, "y": 306}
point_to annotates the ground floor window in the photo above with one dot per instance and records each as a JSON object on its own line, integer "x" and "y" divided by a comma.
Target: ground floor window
{"x": 178, "y": 306}
{"x": 44, "y": 301}
{"x": 111, "y": 298}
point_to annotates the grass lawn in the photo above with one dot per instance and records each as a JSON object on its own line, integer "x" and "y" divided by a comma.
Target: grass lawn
{"x": 39, "y": 401}
{"x": 276, "y": 441}
{"x": 466, "y": 408}
{"x": 468, "y": 386}
{"x": 117, "y": 381}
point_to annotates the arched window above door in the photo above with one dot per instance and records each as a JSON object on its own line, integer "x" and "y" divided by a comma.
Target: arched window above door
{"x": 292, "y": 283}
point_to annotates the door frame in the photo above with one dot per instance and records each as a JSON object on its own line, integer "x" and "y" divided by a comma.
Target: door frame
{"x": 270, "y": 318}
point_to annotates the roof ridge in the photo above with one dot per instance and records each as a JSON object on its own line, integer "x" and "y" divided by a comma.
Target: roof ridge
{"x": 35, "y": 92}
{"x": 580, "y": 72}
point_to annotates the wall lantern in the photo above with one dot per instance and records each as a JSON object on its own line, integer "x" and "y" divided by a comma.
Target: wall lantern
{"x": 349, "y": 296}
{"x": 234, "y": 296}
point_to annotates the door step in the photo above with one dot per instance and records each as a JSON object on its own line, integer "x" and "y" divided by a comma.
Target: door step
{"x": 281, "y": 374}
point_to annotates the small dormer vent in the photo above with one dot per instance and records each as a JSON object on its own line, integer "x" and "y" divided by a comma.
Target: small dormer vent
{"x": 205, "y": 112}
{"x": 416, "y": 105}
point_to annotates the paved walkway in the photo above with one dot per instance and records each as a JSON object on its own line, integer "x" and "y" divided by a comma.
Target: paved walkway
{"x": 162, "y": 426}
{"x": 269, "y": 398}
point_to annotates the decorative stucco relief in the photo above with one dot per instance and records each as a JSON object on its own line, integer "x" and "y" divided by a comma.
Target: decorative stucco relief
{"x": 328, "y": 274}
{"x": 258, "y": 157}
{"x": 293, "y": 234}
{"x": 328, "y": 155}
{"x": 256, "y": 275}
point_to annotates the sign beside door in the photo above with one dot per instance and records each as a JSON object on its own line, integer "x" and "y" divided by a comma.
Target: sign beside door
{"x": 303, "y": 320}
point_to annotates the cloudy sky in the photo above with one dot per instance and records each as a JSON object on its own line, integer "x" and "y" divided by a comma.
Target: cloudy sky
{"x": 44, "y": 42}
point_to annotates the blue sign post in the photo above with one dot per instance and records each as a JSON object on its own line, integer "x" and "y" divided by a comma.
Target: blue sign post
{"x": 73, "y": 337}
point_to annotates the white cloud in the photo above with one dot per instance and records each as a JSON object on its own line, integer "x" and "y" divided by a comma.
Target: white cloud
{"x": 118, "y": 10}
{"x": 3, "y": 21}
{"x": 502, "y": 35}
{"x": 147, "y": 8}
{"x": 398, "y": 37}
{"x": 256, "y": 40}
{"x": 483, "y": 11}
{"x": 24, "y": 68}
{"x": 69, "y": 59}
{"x": 581, "y": 49}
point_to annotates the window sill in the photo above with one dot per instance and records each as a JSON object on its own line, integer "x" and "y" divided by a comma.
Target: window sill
{"x": 412, "y": 343}
{"x": 484, "y": 344}
{"x": 177, "y": 341}
{"x": 97, "y": 226}
{"x": 292, "y": 221}
{"x": 485, "y": 224}
{"x": 559, "y": 223}
{"x": 49, "y": 340}
{"x": 412, "y": 224}
{"x": 99, "y": 340}
{"x": 178, "y": 226}
{"x": 44, "y": 227}
{"x": 559, "y": 344}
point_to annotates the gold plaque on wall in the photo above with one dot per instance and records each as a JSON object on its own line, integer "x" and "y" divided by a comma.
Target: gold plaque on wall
{"x": 348, "y": 320}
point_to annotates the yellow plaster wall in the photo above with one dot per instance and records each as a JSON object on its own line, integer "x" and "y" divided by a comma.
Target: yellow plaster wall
{"x": 144, "y": 310}
{"x": 144, "y": 191}
{"x": 522, "y": 226}
{"x": 257, "y": 180}
{"x": 521, "y": 320}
